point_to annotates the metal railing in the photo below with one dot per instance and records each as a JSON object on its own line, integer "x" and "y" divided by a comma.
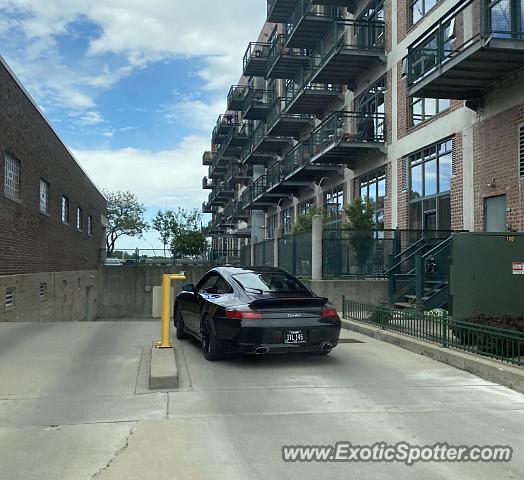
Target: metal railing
{"x": 258, "y": 97}
{"x": 237, "y": 93}
{"x": 264, "y": 252}
{"x": 278, "y": 48}
{"x": 347, "y": 127}
{"x": 304, "y": 8}
{"x": 473, "y": 337}
{"x": 256, "y": 50}
{"x": 444, "y": 40}
{"x": 294, "y": 253}
{"x": 301, "y": 84}
{"x": 246, "y": 197}
{"x": 278, "y": 111}
{"x": 223, "y": 124}
{"x": 348, "y": 34}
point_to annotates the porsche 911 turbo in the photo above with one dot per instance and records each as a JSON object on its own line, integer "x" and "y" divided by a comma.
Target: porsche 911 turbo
{"x": 259, "y": 310}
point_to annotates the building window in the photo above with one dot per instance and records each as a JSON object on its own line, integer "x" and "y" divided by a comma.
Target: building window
{"x": 372, "y": 101}
{"x": 422, "y": 109}
{"x": 79, "y": 219}
{"x": 334, "y": 203}
{"x": 521, "y": 151}
{"x": 43, "y": 292}
{"x": 90, "y": 225}
{"x": 44, "y": 196}
{"x": 419, "y": 8}
{"x": 373, "y": 187}
{"x": 430, "y": 172}
{"x": 9, "y": 300}
{"x": 286, "y": 220}
{"x": 12, "y": 179}
{"x": 373, "y": 12}
{"x": 305, "y": 207}
{"x": 65, "y": 209}
{"x": 271, "y": 226}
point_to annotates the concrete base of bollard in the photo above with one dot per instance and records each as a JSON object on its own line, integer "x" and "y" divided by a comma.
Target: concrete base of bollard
{"x": 164, "y": 373}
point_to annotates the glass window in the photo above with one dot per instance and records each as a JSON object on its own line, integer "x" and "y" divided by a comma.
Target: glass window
{"x": 334, "y": 203}
{"x": 287, "y": 220}
{"x": 373, "y": 187}
{"x": 65, "y": 209}
{"x": 271, "y": 226}
{"x": 306, "y": 206}
{"x": 275, "y": 282}
{"x": 44, "y": 196}
{"x": 207, "y": 284}
{"x": 416, "y": 182}
{"x": 12, "y": 177}
{"x": 90, "y": 225}
{"x": 422, "y": 109}
{"x": 430, "y": 178}
{"x": 419, "y": 8}
{"x": 79, "y": 219}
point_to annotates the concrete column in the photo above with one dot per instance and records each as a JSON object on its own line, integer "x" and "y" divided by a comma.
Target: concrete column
{"x": 278, "y": 234}
{"x": 252, "y": 253}
{"x": 316, "y": 247}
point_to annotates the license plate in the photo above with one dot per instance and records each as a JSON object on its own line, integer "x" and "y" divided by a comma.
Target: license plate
{"x": 295, "y": 336}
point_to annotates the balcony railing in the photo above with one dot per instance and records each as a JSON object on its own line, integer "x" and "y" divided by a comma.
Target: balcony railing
{"x": 284, "y": 61}
{"x": 256, "y": 59}
{"x": 257, "y": 103}
{"x": 278, "y": 11}
{"x": 207, "y": 183}
{"x": 223, "y": 125}
{"x": 303, "y": 96}
{"x": 346, "y": 51}
{"x": 308, "y": 21}
{"x": 451, "y": 60}
{"x": 237, "y": 138}
{"x": 207, "y": 158}
{"x": 279, "y": 122}
{"x": 246, "y": 197}
{"x": 236, "y": 97}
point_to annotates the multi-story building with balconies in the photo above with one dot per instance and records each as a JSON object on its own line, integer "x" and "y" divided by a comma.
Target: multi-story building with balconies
{"x": 417, "y": 105}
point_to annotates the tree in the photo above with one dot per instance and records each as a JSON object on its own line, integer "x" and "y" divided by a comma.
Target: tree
{"x": 189, "y": 239}
{"x": 166, "y": 224}
{"x": 360, "y": 221}
{"x": 125, "y": 216}
{"x": 304, "y": 221}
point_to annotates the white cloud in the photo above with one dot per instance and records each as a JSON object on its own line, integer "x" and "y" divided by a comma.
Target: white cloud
{"x": 172, "y": 176}
{"x": 91, "y": 118}
{"x": 199, "y": 114}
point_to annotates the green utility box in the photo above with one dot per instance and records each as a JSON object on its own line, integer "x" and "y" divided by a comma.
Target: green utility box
{"x": 487, "y": 274}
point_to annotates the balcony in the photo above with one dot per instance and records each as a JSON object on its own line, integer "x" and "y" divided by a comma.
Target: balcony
{"x": 238, "y": 173}
{"x": 207, "y": 183}
{"x": 347, "y": 51}
{"x": 257, "y": 103}
{"x": 256, "y": 59}
{"x": 303, "y": 96}
{"x": 308, "y": 22}
{"x": 221, "y": 193}
{"x": 236, "y": 97}
{"x": 283, "y": 61}
{"x": 278, "y": 11}
{"x": 234, "y": 143}
{"x": 234, "y": 213}
{"x": 462, "y": 56}
{"x": 215, "y": 170}
{"x": 262, "y": 147}
{"x": 279, "y": 186}
{"x": 222, "y": 127}
{"x": 206, "y": 208}
{"x": 346, "y": 137}
{"x": 207, "y": 158}
{"x": 283, "y": 124}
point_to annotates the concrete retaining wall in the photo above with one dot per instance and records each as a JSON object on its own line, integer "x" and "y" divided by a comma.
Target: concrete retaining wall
{"x": 50, "y": 297}
{"x": 127, "y": 291}
{"x": 356, "y": 289}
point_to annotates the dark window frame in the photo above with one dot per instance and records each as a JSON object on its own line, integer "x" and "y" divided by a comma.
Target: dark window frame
{"x": 65, "y": 210}
{"x": 47, "y": 207}
{"x": 423, "y": 101}
{"x": 373, "y": 179}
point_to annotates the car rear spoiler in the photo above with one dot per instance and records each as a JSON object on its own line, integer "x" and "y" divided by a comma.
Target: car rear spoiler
{"x": 302, "y": 301}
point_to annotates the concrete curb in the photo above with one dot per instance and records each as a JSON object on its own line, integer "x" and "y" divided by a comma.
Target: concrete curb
{"x": 163, "y": 373}
{"x": 509, "y": 376}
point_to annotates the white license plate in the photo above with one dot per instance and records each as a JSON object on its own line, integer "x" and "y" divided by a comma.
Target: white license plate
{"x": 295, "y": 336}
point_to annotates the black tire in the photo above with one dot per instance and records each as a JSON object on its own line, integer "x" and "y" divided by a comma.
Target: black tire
{"x": 208, "y": 341}
{"x": 179, "y": 324}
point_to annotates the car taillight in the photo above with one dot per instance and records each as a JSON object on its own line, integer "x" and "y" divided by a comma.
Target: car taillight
{"x": 329, "y": 312}
{"x": 243, "y": 314}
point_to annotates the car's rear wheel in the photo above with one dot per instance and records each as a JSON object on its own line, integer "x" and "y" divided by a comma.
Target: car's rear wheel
{"x": 179, "y": 323}
{"x": 208, "y": 341}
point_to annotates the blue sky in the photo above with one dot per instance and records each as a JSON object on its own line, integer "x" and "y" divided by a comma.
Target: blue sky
{"x": 132, "y": 87}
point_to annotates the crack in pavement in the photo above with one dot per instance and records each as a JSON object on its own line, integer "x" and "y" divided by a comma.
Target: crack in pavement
{"x": 116, "y": 454}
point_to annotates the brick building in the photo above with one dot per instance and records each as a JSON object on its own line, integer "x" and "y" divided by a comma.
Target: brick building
{"x": 416, "y": 104}
{"x": 51, "y": 217}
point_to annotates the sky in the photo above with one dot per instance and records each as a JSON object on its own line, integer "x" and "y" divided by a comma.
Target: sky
{"x": 133, "y": 87}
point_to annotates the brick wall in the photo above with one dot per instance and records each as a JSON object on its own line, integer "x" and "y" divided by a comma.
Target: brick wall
{"x": 32, "y": 242}
{"x": 495, "y": 154}
{"x": 456, "y": 190}
{"x": 402, "y": 196}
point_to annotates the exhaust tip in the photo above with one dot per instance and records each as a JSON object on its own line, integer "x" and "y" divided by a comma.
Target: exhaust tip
{"x": 260, "y": 350}
{"x": 326, "y": 346}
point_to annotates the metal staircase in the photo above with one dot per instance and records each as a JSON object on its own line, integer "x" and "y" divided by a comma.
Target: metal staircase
{"x": 419, "y": 275}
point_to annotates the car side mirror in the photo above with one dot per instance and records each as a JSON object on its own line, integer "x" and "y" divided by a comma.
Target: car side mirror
{"x": 189, "y": 287}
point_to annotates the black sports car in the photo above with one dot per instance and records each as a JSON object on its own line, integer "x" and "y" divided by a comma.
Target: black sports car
{"x": 255, "y": 310}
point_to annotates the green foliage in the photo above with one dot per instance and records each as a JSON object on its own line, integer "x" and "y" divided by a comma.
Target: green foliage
{"x": 125, "y": 216}
{"x": 188, "y": 238}
{"x": 304, "y": 221}
{"x": 165, "y": 223}
{"x": 359, "y": 214}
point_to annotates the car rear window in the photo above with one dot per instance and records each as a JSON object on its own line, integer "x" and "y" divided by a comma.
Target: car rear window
{"x": 277, "y": 282}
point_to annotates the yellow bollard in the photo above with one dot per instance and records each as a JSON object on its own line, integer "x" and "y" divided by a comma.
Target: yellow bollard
{"x": 165, "y": 337}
